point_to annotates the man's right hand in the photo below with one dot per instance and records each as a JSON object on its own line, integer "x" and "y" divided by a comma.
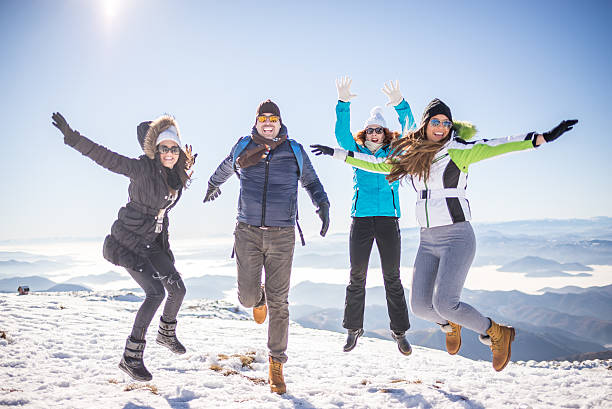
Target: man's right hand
{"x": 212, "y": 193}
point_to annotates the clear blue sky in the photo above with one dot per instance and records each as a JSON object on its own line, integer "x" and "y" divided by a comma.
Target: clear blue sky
{"x": 509, "y": 67}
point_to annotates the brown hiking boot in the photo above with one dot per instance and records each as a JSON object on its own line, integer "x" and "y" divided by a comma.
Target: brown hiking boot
{"x": 501, "y": 339}
{"x": 260, "y": 311}
{"x": 275, "y": 377}
{"x": 453, "y": 337}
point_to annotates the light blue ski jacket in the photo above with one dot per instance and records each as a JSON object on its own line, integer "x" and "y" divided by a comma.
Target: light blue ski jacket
{"x": 372, "y": 194}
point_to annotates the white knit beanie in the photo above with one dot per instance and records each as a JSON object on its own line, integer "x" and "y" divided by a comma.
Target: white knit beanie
{"x": 170, "y": 134}
{"x": 376, "y": 118}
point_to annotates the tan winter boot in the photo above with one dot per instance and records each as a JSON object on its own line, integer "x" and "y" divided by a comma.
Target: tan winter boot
{"x": 453, "y": 337}
{"x": 275, "y": 377}
{"x": 260, "y": 312}
{"x": 501, "y": 339}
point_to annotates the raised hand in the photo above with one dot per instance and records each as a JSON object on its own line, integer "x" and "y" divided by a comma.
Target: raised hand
{"x": 323, "y": 213}
{"x": 190, "y": 157}
{"x": 343, "y": 85}
{"x": 322, "y": 150}
{"x": 392, "y": 91}
{"x": 212, "y": 193}
{"x": 559, "y": 130}
{"x": 60, "y": 123}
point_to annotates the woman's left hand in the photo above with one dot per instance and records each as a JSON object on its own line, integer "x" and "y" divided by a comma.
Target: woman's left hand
{"x": 190, "y": 157}
{"x": 322, "y": 150}
{"x": 60, "y": 123}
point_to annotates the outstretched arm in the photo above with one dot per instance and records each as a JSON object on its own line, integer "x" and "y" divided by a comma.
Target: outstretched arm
{"x": 102, "y": 156}
{"x": 310, "y": 181}
{"x": 369, "y": 163}
{"x": 465, "y": 153}
{"x": 223, "y": 172}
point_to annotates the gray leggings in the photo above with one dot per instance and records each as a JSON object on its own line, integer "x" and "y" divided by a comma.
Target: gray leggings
{"x": 443, "y": 260}
{"x": 153, "y": 279}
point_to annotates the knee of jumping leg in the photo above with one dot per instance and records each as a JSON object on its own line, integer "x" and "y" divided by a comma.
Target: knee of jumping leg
{"x": 445, "y": 307}
{"x": 249, "y": 298}
{"x": 419, "y": 307}
{"x": 179, "y": 292}
{"x": 157, "y": 295}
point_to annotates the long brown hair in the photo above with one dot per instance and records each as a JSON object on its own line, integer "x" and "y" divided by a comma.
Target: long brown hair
{"x": 390, "y": 136}
{"x": 413, "y": 154}
{"x": 179, "y": 168}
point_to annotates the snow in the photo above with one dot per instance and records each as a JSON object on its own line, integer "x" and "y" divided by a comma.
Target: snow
{"x": 61, "y": 350}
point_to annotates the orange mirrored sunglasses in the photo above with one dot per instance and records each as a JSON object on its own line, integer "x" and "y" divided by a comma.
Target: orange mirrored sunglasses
{"x": 272, "y": 118}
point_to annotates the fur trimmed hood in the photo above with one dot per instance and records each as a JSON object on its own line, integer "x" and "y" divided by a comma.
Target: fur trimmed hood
{"x": 464, "y": 130}
{"x": 149, "y": 131}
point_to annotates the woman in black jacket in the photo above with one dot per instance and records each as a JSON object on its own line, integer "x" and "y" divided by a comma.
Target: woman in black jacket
{"x": 139, "y": 237}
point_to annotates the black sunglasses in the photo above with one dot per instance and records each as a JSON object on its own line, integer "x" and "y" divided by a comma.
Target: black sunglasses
{"x": 372, "y": 130}
{"x": 175, "y": 150}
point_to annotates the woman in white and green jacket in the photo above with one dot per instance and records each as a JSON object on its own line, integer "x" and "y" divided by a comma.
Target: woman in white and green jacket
{"x": 375, "y": 211}
{"x": 435, "y": 158}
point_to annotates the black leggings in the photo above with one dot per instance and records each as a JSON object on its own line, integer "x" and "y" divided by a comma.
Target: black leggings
{"x": 153, "y": 278}
{"x": 385, "y": 230}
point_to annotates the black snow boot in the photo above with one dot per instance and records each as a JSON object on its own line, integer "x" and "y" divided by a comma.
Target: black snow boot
{"x": 166, "y": 336}
{"x": 351, "y": 339}
{"x": 402, "y": 343}
{"x": 131, "y": 362}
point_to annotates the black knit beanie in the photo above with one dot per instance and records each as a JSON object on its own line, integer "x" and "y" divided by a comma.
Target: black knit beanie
{"x": 269, "y": 107}
{"x": 434, "y": 108}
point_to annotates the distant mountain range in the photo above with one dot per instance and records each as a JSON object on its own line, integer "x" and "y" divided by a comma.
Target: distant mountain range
{"x": 36, "y": 283}
{"x": 541, "y": 267}
{"x": 550, "y": 326}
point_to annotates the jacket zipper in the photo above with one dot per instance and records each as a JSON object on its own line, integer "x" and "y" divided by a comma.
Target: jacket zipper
{"x": 265, "y": 190}
{"x": 393, "y": 198}
{"x": 426, "y": 213}
{"x": 356, "y": 197}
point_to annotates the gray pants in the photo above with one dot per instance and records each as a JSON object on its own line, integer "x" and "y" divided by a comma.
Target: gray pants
{"x": 443, "y": 260}
{"x": 158, "y": 265}
{"x": 271, "y": 249}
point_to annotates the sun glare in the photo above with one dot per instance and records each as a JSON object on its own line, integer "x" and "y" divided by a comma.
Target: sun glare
{"x": 110, "y": 8}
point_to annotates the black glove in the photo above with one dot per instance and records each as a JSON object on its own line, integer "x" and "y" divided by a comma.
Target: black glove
{"x": 559, "y": 130}
{"x": 60, "y": 123}
{"x": 212, "y": 193}
{"x": 323, "y": 213}
{"x": 322, "y": 150}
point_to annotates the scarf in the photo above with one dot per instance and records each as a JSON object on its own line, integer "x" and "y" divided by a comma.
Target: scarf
{"x": 173, "y": 179}
{"x": 252, "y": 156}
{"x": 373, "y": 147}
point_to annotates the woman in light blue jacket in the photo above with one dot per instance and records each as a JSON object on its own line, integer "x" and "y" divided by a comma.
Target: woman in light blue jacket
{"x": 375, "y": 211}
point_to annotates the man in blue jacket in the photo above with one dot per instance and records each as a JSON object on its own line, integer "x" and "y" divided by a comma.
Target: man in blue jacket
{"x": 269, "y": 166}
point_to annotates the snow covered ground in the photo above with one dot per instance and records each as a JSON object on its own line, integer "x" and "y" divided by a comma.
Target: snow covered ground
{"x": 62, "y": 350}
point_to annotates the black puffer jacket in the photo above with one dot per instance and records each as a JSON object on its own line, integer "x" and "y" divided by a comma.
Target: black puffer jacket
{"x": 133, "y": 238}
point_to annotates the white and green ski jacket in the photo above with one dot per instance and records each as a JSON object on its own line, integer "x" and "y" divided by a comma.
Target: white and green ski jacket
{"x": 441, "y": 199}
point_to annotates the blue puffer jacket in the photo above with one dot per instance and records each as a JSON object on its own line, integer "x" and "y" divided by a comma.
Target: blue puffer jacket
{"x": 372, "y": 194}
{"x": 277, "y": 175}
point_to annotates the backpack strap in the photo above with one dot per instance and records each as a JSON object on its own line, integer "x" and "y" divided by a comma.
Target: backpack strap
{"x": 238, "y": 148}
{"x": 297, "y": 151}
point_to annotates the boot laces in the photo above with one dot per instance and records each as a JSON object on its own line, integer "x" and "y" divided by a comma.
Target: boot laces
{"x": 496, "y": 338}
{"x": 277, "y": 369}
